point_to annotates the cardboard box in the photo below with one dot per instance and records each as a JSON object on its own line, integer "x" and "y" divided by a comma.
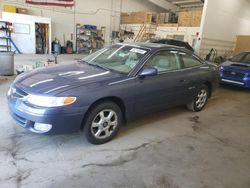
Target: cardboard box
{"x": 168, "y": 25}
{"x": 22, "y": 10}
{"x": 139, "y": 18}
{"x": 242, "y": 44}
{"x": 9, "y": 8}
{"x": 190, "y": 18}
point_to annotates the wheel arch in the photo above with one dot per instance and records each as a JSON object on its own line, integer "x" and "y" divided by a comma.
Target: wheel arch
{"x": 118, "y": 101}
{"x": 209, "y": 85}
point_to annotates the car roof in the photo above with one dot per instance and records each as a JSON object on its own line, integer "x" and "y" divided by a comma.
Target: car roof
{"x": 152, "y": 46}
{"x": 172, "y": 40}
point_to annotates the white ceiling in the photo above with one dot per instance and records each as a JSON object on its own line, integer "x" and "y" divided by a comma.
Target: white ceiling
{"x": 187, "y": 4}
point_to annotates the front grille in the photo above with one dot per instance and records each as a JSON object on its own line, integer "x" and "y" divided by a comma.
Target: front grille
{"x": 18, "y": 93}
{"x": 233, "y": 74}
{"x": 21, "y": 121}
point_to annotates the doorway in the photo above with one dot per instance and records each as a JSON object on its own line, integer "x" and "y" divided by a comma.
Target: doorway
{"x": 42, "y": 38}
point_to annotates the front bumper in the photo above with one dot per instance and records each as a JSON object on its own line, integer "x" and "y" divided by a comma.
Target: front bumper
{"x": 235, "y": 77}
{"x": 63, "y": 120}
{"x": 245, "y": 82}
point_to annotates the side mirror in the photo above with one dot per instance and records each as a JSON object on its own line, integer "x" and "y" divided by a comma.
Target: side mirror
{"x": 148, "y": 72}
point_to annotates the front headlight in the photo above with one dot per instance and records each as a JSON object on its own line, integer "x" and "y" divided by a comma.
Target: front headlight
{"x": 48, "y": 101}
{"x": 221, "y": 68}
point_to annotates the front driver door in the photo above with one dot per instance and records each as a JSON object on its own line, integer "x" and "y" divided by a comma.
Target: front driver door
{"x": 163, "y": 90}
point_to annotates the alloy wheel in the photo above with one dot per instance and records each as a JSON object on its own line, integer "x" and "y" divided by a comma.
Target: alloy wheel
{"x": 104, "y": 124}
{"x": 201, "y": 98}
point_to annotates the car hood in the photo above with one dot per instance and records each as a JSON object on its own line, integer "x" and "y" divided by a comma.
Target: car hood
{"x": 56, "y": 79}
{"x": 236, "y": 66}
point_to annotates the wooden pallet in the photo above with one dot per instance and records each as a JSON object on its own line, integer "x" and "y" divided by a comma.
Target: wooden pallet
{"x": 139, "y": 18}
{"x": 190, "y": 18}
{"x": 242, "y": 44}
{"x": 168, "y": 25}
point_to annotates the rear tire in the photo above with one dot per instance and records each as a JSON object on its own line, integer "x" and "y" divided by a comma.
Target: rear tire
{"x": 103, "y": 123}
{"x": 200, "y": 99}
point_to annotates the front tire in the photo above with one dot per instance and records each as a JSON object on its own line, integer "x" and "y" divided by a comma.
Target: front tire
{"x": 200, "y": 100}
{"x": 103, "y": 123}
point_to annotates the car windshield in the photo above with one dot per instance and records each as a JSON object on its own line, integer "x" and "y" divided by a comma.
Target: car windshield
{"x": 119, "y": 58}
{"x": 246, "y": 58}
{"x": 242, "y": 58}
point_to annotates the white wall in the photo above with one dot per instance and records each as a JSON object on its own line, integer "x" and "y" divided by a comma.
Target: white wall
{"x": 26, "y": 42}
{"x": 223, "y": 20}
{"x": 96, "y": 12}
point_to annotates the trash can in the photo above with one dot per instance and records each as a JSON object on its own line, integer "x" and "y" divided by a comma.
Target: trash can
{"x": 56, "y": 48}
{"x": 6, "y": 63}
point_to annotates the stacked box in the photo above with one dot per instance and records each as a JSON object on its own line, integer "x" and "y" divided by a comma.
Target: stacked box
{"x": 22, "y": 10}
{"x": 139, "y": 18}
{"x": 190, "y": 18}
{"x": 168, "y": 25}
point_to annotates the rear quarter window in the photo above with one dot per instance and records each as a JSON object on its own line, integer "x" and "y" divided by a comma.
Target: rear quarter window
{"x": 190, "y": 61}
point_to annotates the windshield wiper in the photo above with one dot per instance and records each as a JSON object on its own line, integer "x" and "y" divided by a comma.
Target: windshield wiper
{"x": 100, "y": 66}
{"x": 95, "y": 64}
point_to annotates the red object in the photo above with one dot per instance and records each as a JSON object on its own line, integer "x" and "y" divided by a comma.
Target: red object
{"x": 62, "y": 3}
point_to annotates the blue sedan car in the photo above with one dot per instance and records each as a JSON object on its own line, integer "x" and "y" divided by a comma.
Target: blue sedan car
{"x": 109, "y": 87}
{"x": 236, "y": 71}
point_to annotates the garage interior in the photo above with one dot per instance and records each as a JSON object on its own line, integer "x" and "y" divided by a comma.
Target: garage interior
{"x": 169, "y": 149}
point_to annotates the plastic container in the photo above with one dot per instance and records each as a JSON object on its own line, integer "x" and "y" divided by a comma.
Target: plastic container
{"x": 9, "y": 8}
{"x": 6, "y": 63}
{"x": 88, "y": 27}
{"x": 94, "y": 27}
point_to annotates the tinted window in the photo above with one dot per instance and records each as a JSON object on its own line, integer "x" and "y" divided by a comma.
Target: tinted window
{"x": 247, "y": 59}
{"x": 169, "y": 42}
{"x": 238, "y": 57}
{"x": 190, "y": 61}
{"x": 162, "y": 42}
{"x": 164, "y": 61}
{"x": 187, "y": 46}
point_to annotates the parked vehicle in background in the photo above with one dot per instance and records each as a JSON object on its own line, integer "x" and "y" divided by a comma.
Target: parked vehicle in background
{"x": 109, "y": 87}
{"x": 236, "y": 71}
{"x": 171, "y": 42}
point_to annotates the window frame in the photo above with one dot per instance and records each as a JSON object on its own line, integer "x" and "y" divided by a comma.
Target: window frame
{"x": 175, "y": 52}
{"x": 140, "y": 67}
{"x": 191, "y": 55}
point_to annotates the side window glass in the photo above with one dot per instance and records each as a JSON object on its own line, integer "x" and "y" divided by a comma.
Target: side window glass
{"x": 190, "y": 61}
{"x": 164, "y": 61}
{"x": 247, "y": 59}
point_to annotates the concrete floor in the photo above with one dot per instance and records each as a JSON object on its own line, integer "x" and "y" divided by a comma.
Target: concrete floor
{"x": 27, "y": 59}
{"x": 172, "y": 149}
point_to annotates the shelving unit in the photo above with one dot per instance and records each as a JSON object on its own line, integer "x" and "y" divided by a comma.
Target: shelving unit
{"x": 5, "y": 36}
{"x": 88, "y": 38}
